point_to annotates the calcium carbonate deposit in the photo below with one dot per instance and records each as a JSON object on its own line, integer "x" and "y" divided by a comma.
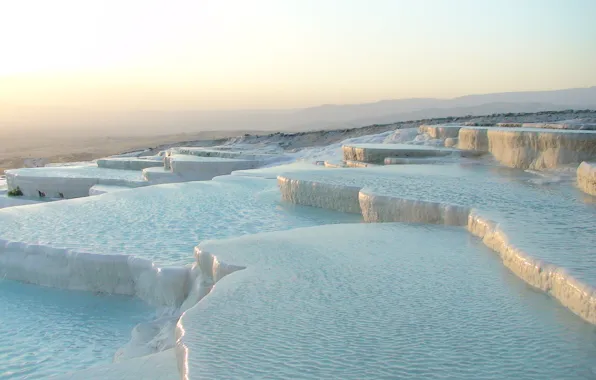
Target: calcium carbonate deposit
{"x": 460, "y": 251}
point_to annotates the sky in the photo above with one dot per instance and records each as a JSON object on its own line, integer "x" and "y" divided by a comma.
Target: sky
{"x": 269, "y": 54}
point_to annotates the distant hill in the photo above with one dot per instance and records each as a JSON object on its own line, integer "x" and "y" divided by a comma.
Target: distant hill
{"x": 386, "y": 111}
{"x": 570, "y": 98}
{"x": 154, "y": 122}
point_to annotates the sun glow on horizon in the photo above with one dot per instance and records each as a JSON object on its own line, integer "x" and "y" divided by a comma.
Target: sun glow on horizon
{"x": 275, "y": 54}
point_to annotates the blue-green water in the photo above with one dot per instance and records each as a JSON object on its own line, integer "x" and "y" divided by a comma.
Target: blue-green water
{"x": 379, "y": 301}
{"x": 45, "y": 331}
{"x": 161, "y": 223}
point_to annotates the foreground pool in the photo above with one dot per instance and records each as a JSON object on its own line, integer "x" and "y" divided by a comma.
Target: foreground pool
{"x": 161, "y": 223}
{"x": 545, "y": 216}
{"x": 377, "y": 301}
{"x": 45, "y": 331}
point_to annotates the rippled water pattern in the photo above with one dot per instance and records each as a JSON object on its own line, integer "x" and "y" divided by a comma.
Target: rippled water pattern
{"x": 379, "y": 301}
{"x": 273, "y": 171}
{"x": 46, "y": 331}
{"x": 162, "y": 223}
{"x": 551, "y": 221}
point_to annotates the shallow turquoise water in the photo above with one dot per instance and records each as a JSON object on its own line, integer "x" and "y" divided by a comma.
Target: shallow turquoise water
{"x": 45, "y": 331}
{"x": 162, "y": 223}
{"x": 379, "y": 301}
{"x": 549, "y": 220}
{"x": 347, "y": 301}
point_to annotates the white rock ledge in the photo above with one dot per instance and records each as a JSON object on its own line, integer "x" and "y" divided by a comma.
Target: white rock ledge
{"x": 358, "y": 164}
{"x": 111, "y": 274}
{"x": 471, "y": 138}
{"x": 198, "y": 168}
{"x": 204, "y": 152}
{"x": 409, "y": 161}
{"x": 586, "y": 177}
{"x": 376, "y": 153}
{"x": 334, "y": 164}
{"x": 160, "y": 176}
{"x": 578, "y": 297}
{"x": 130, "y": 163}
{"x": 103, "y": 189}
{"x": 541, "y": 149}
{"x": 322, "y": 195}
{"x": 69, "y": 182}
{"x": 451, "y": 142}
{"x": 523, "y": 146}
{"x": 440, "y": 131}
{"x": 383, "y": 208}
{"x": 207, "y": 270}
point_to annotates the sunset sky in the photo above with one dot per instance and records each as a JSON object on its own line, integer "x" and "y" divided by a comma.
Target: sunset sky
{"x": 230, "y": 54}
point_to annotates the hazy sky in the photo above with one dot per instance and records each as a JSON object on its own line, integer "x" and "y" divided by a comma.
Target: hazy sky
{"x": 214, "y": 54}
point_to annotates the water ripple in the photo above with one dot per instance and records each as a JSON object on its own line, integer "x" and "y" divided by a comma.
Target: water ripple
{"x": 46, "y": 331}
{"x": 379, "y": 301}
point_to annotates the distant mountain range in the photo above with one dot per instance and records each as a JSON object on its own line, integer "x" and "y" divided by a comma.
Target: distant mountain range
{"x": 321, "y": 117}
{"x": 387, "y": 111}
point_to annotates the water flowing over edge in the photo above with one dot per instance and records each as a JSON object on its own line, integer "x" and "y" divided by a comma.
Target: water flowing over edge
{"x": 171, "y": 289}
{"x": 570, "y": 292}
{"x": 578, "y": 297}
{"x": 177, "y": 289}
{"x": 166, "y": 288}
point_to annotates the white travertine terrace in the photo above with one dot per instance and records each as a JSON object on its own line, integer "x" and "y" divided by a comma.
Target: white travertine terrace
{"x": 570, "y": 292}
{"x": 563, "y": 125}
{"x": 130, "y": 163}
{"x": 409, "y": 161}
{"x": 102, "y": 189}
{"x": 573, "y": 125}
{"x": 445, "y": 131}
{"x": 317, "y": 306}
{"x": 387, "y": 205}
{"x": 334, "y": 164}
{"x": 346, "y": 164}
{"x": 199, "y": 168}
{"x": 204, "y": 152}
{"x": 459, "y": 136}
{"x": 570, "y": 124}
{"x": 451, "y": 142}
{"x": 440, "y": 131}
{"x": 69, "y": 182}
{"x": 273, "y": 172}
{"x": 382, "y": 208}
{"x": 394, "y": 200}
{"x": 111, "y": 274}
{"x": 586, "y": 177}
{"x": 330, "y": 196}
{"x": 541, "y": 149}
{"x": 358, "y": 164}
{"x": 160, "y": 176}
{"x": 197, "y": 164}
{"x": 74, "y": 244}
{"x": 518, "y": 145}
{"x": 376, "y": 153}
{"x": 471, "y": 138}
{"x": 182, "y": 167}
{"x": 157, "y": 224}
